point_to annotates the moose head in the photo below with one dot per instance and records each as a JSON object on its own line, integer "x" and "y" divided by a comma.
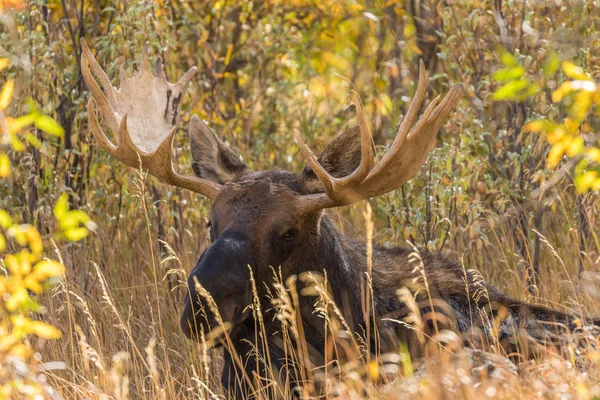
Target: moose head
{"x": 258, "y": 220}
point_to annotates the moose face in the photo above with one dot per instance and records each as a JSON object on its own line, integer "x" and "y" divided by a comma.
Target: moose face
{"x": 254, "y": 225}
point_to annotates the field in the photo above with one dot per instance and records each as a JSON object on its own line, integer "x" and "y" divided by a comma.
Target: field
{"x": 515, "y": 201}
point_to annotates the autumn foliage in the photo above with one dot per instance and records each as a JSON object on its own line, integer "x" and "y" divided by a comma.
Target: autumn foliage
{"x": 94, "y": 255}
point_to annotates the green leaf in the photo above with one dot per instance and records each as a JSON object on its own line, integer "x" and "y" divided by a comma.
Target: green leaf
{"x": 49, "y": 125}
{"x": 508, "y": 60}
{"x": 509, "y": 74}
{"x": 551, "y": 64}
{"x": 35, "y": 142}
{"x": 510, "y": 90}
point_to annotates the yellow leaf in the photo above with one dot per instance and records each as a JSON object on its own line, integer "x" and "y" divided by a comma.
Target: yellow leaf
{"x": 4, "y": 165}
{"x": 15, "y": 125}
{"x": 17, "y": 232}
{"x": 581, "y": 106}
{"x": 575, "y": 147}
{"x": 32, "y": 284}
{"x": 386, "y": 104}
{"x": 17, "y": 299}
{"x": 592, "y": 153}
{"x": 3, "y": 63}
{"x": 35, "y": 142}
{"x": 563, "y": 89}
{"x": 44, "y": 330}
{"x": 508, "y": 60}
{"x": 15, "y": 143}
{"x": 34, "y": 239}
{"x": 20, "y": 350}
{"x": 6, "y": 94}
{"x": 73, "y": 219}
{"x": 5, "y": 220}
{"x": 12, "y": 263}
{"x": 8, "y": 341}
{"x": 76, "y": 234}
{"x": 19, "y": 321}
{"x": 573, "y": 71}
{"x": 229, "y": 52}
{"x": 555, "y": 154}
{"x": 24, "y": 263}
{"x": 62, "y": 206}
{"x": 47, "y": 269}
{"x": 409, "y": 30}
{"x": 571, "y": 125}
{"x": 586, "y": 180}
{"x": 3, "y": 286}
{"x": 49, "y": 125}
{"x": 540, "y": 125}
{"x": 2, "y": 243}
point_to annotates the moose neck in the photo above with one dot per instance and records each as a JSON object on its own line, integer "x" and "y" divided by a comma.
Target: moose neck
{"x": 343, "y": 260}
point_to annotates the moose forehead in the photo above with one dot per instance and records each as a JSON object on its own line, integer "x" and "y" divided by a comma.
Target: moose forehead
{"x": 258, "y": 197}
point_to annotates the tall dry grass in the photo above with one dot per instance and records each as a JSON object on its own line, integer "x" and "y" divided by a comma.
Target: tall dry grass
{"x": 120, "y": 302}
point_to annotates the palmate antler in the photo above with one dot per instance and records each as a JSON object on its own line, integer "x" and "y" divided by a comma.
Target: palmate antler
{"x": 144, "y": 111}
{"x": 143, "y": 114}
{"x": 406, "y": 156}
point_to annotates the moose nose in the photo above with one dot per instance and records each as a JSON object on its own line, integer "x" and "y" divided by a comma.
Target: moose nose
{"x": 222, "y": 271}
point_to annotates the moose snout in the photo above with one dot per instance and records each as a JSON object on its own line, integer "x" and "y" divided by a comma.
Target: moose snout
{"x": 222, "y": 272}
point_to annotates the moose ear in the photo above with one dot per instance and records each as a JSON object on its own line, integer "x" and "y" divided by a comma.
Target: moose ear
{"x": 340, "y": 158}
{"x": 213, "y": 160}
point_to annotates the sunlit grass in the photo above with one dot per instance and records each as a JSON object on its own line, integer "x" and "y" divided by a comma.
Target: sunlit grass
{"x": 115, "y": 345}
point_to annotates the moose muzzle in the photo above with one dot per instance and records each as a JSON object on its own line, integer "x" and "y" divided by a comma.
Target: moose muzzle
{"x": 222, "y": 271}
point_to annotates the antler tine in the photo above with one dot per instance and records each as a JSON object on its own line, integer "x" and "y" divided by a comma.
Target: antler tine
{"x": 448, "y": 103}
{"x": 417, "y": 129}
{"x": 404, "y": 159}
{"x": 105, "y": 97}
{"x": 97, "y": 130}
{"x": 318, "y": 169}
{"x": 339, "y": 189}
{"x": 91, "y": 61}
{"x": 366, "y": 147}
{"x": 143, "y": 114}
{"x": 187, "y": 77}
{"x": 413, "y": 109}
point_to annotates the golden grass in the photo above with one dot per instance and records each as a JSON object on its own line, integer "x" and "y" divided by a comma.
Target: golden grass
{"x": 120, "y": 302}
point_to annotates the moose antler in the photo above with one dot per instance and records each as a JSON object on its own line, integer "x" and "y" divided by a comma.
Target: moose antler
{"x": 408, "y": 152}
{"x": 143, "y": 114}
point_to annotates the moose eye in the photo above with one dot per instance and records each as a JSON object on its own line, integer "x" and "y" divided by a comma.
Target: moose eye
{"x": 289, "y": 235}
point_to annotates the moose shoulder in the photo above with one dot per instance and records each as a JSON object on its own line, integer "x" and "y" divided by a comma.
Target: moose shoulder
{"x": 269, "y": 222}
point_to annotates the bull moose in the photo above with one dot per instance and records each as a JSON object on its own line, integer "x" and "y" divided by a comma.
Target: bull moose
{"x": 261, "y": 221}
